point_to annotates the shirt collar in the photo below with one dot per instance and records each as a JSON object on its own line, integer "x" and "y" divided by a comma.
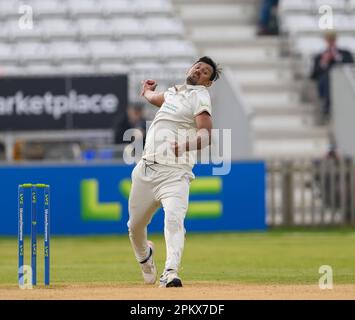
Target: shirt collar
{"x": 188, "y": 87}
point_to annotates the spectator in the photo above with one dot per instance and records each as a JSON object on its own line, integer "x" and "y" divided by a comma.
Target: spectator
{"x": 18, "y": 150}
{"x": 268, "y": 18}
{"x": 322, "y": 65}
{"x": 132, "y": 119}
{"x": 2, "y": 151}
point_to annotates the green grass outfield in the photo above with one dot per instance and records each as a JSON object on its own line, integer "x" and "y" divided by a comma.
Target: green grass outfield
{"x": 272, "y": 257}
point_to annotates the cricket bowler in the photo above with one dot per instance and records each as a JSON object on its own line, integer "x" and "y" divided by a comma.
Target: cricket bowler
{"x": 162, "y": 177}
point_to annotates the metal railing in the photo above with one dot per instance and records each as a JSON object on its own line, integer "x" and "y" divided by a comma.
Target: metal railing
{"x": 56, "y": 137}
{"x": 319, "y": 192}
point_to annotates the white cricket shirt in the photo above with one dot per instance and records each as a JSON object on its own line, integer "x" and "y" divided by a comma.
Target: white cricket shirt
{"x": 174, "y": 122}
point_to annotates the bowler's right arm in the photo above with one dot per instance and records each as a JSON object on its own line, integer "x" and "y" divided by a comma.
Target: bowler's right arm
{"x": 155, "y": 98}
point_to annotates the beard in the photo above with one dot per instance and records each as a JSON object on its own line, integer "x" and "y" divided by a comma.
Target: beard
{"x": 191, "y": 81}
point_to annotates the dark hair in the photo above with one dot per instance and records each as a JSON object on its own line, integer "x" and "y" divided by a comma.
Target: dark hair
{"x": 217, "y": 70}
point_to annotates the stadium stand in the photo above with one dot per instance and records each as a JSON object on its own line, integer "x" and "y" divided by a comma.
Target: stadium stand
{"x": 144, "y": 40}
{"x": 300, "y": 21}
{"x": 283, "y": 122}
{"x": 89, "y": 35}
{"x": 160, "y": 38}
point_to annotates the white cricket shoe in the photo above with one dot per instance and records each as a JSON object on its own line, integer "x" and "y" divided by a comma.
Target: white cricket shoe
{"x": 170, "y": 279}
{"x": 149, "y": 270}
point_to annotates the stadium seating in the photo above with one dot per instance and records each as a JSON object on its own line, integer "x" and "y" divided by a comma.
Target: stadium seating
{"x": 48, "y": 8}
{"x": 299, "y": 21}
{"x": 160, "y": 38}
{"x": 300, "y": 26}
{"x": 144, "y": 39}
{"x": 266, "y": 69}
{"x": 163, "y": 27}
{"x": 7, "y": 53}
{"x": 59, "y": 29}
{"x": 127, "y": 28}
{"x": 27, "y": 52}
{"x": 94, "y": 28}
{"x": 298, "y": 6}
{"x": 312, "y": 6}
{"x": 92, "y": 36}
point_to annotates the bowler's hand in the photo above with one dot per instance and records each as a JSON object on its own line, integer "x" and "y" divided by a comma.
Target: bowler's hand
{"x": 148, "y": 85}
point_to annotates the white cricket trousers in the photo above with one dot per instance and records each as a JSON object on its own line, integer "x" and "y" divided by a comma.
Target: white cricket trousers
{"x": 154, "y": 185}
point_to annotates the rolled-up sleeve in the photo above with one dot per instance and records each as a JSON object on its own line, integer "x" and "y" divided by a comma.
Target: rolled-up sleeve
{"x": 201, "y": 102}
